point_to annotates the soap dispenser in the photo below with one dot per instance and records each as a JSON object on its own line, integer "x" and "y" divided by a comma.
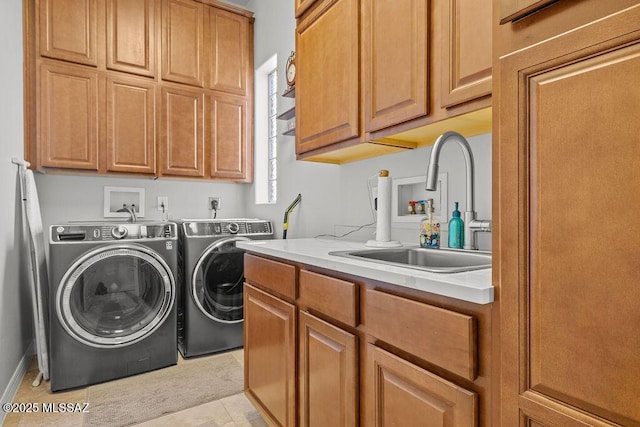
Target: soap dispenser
{"x": 430, "y": 228}
{"x": 456, "y": 229}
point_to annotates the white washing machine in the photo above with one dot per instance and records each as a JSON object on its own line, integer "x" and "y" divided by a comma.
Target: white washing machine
{"x": 210, "y": 295}
{"x": 112, "y": 301}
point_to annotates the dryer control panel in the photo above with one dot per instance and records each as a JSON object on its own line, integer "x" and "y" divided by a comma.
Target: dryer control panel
{"x": 97, "y": 232}
{"x": 227, "y": 227}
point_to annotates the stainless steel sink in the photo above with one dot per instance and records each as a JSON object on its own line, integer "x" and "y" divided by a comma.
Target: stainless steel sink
{"x": 433, "y": 260}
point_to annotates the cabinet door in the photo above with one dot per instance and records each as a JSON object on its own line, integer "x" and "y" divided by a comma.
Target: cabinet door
{"x": 230, "y": 133}
{"x": 68, "y": 30}
{"x": 182, "y": 41}
{"x": 131, "y": 138}
{"x": 403, "y": 394}
{"x": 466, "y": 50}
{"x": 327, "y": 85}
{"x": 131, "y": 36}
{"x": 68, "y": 117}
{"x": 569, "y": 129}
{"x": 395, "y": 61}
{"x": 328, "y": 374}
{"x": 182, "y": 131}
{"x": 229, "y": 51}
{"x": 270, "y": 356}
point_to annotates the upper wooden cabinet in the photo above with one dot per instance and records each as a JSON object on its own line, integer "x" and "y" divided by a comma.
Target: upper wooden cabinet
{"x": 182, "y": 131}
{"x": 69, "y": 30}
{"x": 395, "y": 61}
{"x": 378, "y": 69}
{"x": 182, "y": 42}
{"x": 68, "y": 117}
{"x": 466, "y": 51}
{"x": 131, "y": 36}
{"x": 327, "y": 82}
{"x": 131, "y": 124}
{"x": 230, "y": 62}
{"x": 567, "y": 136}
{"x": 97, "y": 100}
{"x": 230, "y": 133}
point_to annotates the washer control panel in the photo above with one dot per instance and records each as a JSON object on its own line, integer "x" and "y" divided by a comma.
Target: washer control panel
{"x": 95, "y": 232}
{"x": 229, "y": 227}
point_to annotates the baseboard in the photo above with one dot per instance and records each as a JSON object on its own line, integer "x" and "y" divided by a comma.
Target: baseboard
{"x": 12, "y": 388}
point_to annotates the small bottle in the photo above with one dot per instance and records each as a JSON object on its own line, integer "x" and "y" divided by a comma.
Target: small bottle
{"x": 456, "y": 229}
{"x": 430, "y": 228}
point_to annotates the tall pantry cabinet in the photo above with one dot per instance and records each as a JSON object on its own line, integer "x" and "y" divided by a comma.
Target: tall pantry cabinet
{"x": 155, "y": 87}
{"x": 566, "y": 156}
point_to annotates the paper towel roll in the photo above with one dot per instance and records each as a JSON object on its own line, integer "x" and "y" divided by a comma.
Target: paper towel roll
{"x": 383, "y": 216}
{"x": 383, "y": 222}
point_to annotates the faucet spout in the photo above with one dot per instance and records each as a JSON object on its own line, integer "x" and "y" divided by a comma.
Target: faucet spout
{"x": 471, "y": 224}
{"x": 432, "y": 171}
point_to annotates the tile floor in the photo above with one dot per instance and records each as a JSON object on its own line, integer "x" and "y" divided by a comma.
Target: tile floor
{"x": 231, "y": 411}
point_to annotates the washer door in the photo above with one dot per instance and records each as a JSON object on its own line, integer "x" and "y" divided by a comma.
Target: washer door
{"x": 218, "y": 281}
{"x": 115, "y": 295}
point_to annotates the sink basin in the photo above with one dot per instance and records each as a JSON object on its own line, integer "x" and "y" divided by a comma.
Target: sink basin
{"x": 433, "y": 260}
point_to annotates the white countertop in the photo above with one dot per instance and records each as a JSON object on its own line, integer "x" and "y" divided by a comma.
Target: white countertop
{"x": 473, "y": 286}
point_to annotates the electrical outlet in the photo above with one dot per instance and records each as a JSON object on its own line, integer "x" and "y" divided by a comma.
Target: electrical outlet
{"x": 214, "y": 202}
{"x": 163, "y": 203}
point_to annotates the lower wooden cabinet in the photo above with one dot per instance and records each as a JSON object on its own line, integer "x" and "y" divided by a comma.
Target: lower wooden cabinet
{"x": 328, "y": 349}
{"x": 270, "y": 355}
{"x": 328, "y": 374}
{"x": 399, "y": 393}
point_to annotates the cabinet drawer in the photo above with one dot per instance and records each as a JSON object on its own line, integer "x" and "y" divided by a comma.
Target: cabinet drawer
{"x": 333, "y": 297}
{"x": 442, "y": 337}
{"x": 276, "y": 276}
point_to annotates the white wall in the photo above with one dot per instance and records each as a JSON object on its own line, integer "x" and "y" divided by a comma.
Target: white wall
{"x": 15, "y": 306}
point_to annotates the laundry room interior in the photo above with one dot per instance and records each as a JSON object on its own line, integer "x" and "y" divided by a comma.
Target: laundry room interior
{"x": 319, "y": 212}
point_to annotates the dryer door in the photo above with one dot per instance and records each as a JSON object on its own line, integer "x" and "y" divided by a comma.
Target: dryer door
{"x": 218, "y": 281}
{"x": 115, "y": 295}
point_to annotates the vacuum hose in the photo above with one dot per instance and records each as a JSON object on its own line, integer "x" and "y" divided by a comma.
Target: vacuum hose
{"x": 288, "y": 212}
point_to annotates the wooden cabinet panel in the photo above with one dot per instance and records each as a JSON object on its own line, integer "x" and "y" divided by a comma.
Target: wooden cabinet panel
{"x": 395, "y": 61}
{"x": 328, "y": 375}
{"x": 182, "y": 41}
{"x": 270, "y": 356}
{"x": 511, "y": 10}
{"x": 131, "y": 36}
{"x": 327, "y": 82}
{"x": 229, "y": 52}
{"x": 400, "y": 393}
{"x": 336, "y": 298}
{"x": 466, "y": 50}
{"x": 445, "y": 338}
{"x": 68, "y": 30}
{"x": 131, "y": 137}
{"x": 230, "y": 129}
{"x": 573, "y": 294}
{"x": 68, "y": 117}
{"x": 182, "y": 131}
{"x": 273, "y": 275}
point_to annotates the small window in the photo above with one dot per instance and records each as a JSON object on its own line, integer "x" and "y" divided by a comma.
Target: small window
{"x": 272, "y": 166}
{"x": 266, "y": 132}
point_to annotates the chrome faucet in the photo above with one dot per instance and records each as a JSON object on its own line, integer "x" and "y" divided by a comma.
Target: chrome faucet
{"x": 131, "y": 210}
{"x": 471, "y": 224}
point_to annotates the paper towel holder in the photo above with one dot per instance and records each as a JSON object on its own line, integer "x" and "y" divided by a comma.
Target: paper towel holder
{"x": 383, "y": 214}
